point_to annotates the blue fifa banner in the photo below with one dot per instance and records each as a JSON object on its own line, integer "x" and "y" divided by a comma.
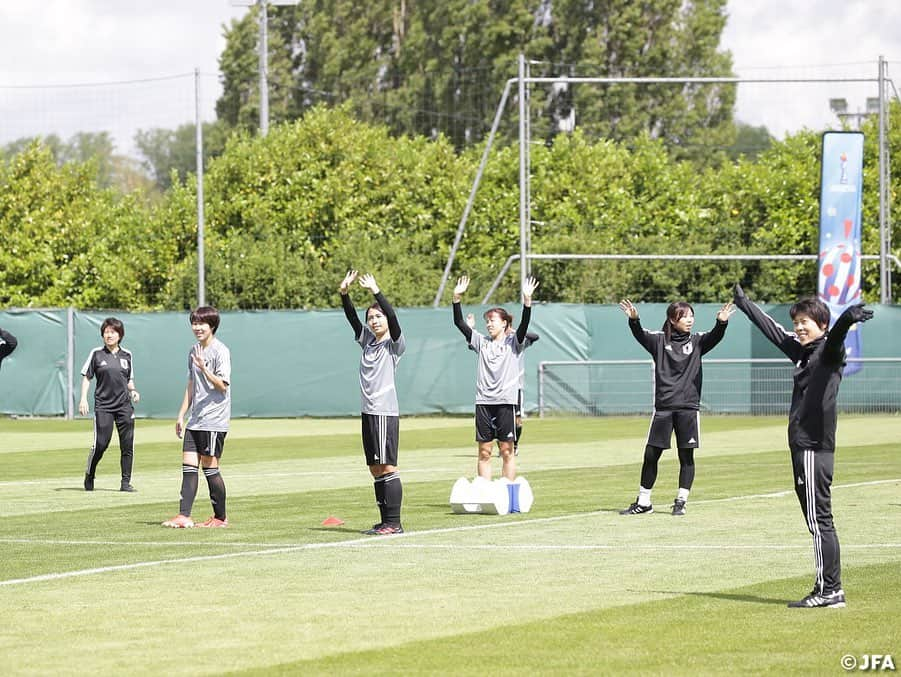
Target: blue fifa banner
{"x": 841, "y": 183}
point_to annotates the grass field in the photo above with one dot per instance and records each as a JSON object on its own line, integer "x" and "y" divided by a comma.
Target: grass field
{"x": 91, "y": 584}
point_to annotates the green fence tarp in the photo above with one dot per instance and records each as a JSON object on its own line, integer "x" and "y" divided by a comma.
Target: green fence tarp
{"x": 305, "y": 363}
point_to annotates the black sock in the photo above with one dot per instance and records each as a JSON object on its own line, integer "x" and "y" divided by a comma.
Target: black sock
{"x": 188, "y": 489}
{"x": 217, "y": 491}
{"x": 379, "y": 486}
{"x": 394, "y": 496}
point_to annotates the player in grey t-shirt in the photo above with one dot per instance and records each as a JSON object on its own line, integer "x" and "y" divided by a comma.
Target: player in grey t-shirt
{"x": 497, "y": 381}
{"x": 208, "y": 396}
{"x": 531, "y": 337}
{"x": 382, "y": 344}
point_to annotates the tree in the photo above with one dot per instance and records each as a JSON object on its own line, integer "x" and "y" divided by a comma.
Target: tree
{"x": 657, "y": 38}
{"x": 239, "y": 105}
{"x": 68, "y": 241}
{"x": 94, "y": 148}
{"x": 168, "y": 151}
{"x": 438, "y": 66}
{"x": 749, "y": 141}
{"x": 290, "y": 213}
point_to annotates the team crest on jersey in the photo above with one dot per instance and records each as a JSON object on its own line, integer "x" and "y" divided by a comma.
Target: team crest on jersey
{"x": 688, "y": 348}
{"x": 123, "y": 363}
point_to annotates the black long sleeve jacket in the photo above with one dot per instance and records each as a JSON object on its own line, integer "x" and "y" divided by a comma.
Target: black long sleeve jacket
{"x": 677, "y": 363}
{"x": 817, "y": 376}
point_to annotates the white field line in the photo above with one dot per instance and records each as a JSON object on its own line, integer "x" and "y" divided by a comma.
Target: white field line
{"x": 281, "y": 547}
{"x": 239, "y": 475}
{"x": 370, "y": 541}
{"x": 356, "y": 471}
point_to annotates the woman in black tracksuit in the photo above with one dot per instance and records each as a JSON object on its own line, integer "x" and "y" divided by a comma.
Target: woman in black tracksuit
{"x": 114, "y": 399}
{"x": 818, "y": 354}
{"x": 677, "y": 394}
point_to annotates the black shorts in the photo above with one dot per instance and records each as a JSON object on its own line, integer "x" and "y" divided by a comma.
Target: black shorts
{"x": 686, "y": 423}
{"x": 204, "y": 442}
{"x": 380, "y": 437}
{"x": 496, "y": 422}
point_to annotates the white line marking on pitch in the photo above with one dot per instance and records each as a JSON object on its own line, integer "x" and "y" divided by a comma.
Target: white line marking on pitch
{"x": 628, "y": 546}
{"x": 370, "y": 541}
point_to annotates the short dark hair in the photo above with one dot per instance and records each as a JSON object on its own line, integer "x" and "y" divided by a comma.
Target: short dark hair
{"x": 814, "y": 308}
{"x": 374, "y": 306}
{"x": 504, "y": 315}
{"x": 206, "y": 315}
{"x": 115, "y": 325}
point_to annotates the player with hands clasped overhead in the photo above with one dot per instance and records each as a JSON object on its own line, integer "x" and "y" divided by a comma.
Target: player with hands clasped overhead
{"x": 114, "y": 399}
{"x": 208, "y": 398}
{"x": 818, "y": 354}
{"x": 677, "y": 394}
{"x": 497, "y": 380}
{"x": 383, "y": 345}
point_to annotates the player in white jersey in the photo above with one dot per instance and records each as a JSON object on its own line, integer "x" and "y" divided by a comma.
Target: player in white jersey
{"x": 208, "y": 396}
{"x": 383, "y": 344}
{"x": 497, "y": 381}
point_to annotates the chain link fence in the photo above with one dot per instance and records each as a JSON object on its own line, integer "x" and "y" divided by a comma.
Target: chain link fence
{"x": 731, "y": 386}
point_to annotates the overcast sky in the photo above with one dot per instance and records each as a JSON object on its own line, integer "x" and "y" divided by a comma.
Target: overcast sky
{"x": 47, "y": 43}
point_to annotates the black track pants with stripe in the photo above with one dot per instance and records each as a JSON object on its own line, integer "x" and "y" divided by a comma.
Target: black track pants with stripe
{"x": 813, "y": 487}
{"x": 124, "y": 421}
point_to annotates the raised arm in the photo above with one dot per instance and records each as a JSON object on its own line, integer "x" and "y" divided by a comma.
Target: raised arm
{"x": 368, "y": 282}
{"x": 349, "y": 311}
{"x": 835, "y": 341}
{"x": 8, "y": 343}
{"x": 774, "y": 332}
{"x": 711, "y": 338}
{"x": 528, "y": 288}
{"x": 643, "y": 337}
{"x": 461, "y": 286}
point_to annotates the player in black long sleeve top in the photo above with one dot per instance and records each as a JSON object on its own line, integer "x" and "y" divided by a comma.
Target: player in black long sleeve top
{"x": 112, "y": 367}
{"x": 383, "y": 345}
{"x": 818, "y": 354}
{"x": 677, "y": 394}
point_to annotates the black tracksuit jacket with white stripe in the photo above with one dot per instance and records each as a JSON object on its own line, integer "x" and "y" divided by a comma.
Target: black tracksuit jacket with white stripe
{"x": 818, "y": 373}
{"x": 677, "y": 363}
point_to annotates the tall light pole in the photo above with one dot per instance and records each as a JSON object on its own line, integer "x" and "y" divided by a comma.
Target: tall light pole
{"x": 264, "y": 53}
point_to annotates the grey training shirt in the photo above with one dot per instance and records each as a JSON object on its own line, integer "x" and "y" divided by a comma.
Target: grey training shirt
{"x": 378, "y": 363}
{"x": 498, "y": 379}
{"x": 210, "y": 409}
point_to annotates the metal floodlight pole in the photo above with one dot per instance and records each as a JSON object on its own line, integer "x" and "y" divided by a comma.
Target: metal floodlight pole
{"x": 264, "y": 54}
{"x": 523, "y": 171}
{"x": 264, "y": 68}
{"x": 198, "y": 159}
{"x": 885, "y": 273}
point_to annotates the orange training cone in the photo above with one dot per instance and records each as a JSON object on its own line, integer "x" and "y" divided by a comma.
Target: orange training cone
{"x": 331, "y": 521}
